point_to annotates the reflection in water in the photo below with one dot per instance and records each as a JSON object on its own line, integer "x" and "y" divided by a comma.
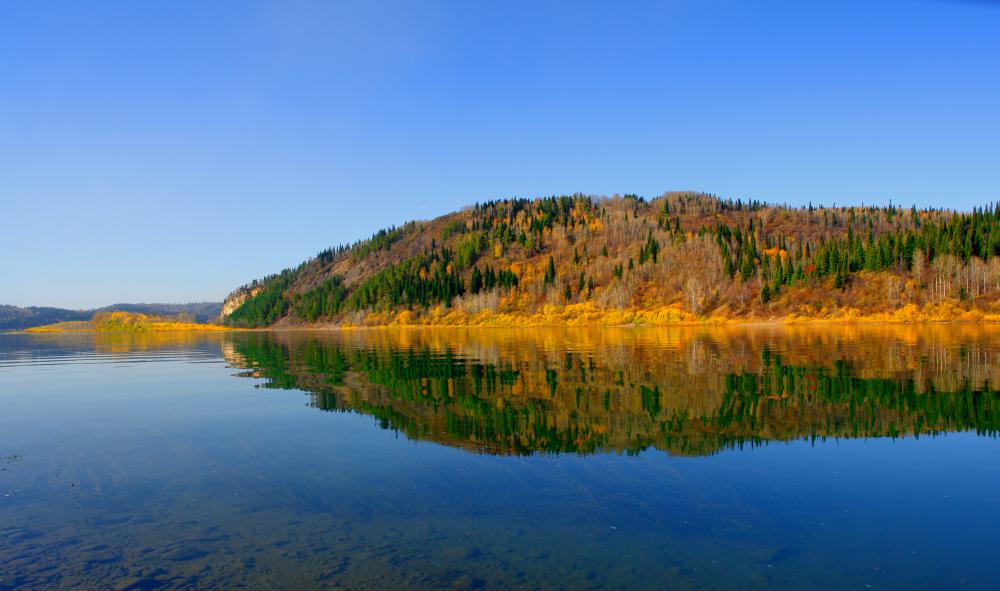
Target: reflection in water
{"x": 141, "y": 462}
{"x": 688, "y": 392}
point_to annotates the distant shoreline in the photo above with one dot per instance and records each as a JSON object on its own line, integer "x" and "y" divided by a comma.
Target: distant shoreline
{"x": 125, "y": 322}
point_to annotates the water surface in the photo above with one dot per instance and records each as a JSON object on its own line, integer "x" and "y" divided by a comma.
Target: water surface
{"x": 779, "y": 458}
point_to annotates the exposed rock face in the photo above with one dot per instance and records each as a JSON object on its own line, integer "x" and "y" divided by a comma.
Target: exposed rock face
{"x": 236, "y": 299}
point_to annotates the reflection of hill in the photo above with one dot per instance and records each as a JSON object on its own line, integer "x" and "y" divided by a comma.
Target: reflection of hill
{"x": 685, "y": 391}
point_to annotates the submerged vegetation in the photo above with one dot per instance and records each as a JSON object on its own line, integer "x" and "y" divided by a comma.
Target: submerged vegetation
{"x": 679, "y": 258}
{"x": 686, "y": 392}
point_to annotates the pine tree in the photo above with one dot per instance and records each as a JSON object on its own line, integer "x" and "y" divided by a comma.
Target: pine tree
{"x": 476, "y": 282}
{"x": 550, "y": 271}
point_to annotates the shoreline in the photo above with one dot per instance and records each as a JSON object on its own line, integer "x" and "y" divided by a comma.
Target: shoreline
{"x": 585, "y": 316}
{"x": 374, "y": 327}
{"x": 572, "y": 316}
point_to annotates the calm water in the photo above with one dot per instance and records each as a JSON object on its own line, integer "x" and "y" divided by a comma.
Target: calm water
{"x": 574, "y": 459}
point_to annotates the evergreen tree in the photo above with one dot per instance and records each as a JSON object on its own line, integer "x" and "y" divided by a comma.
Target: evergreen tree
{"x": 476, "y": 282}
{"x": 550, "y": 271}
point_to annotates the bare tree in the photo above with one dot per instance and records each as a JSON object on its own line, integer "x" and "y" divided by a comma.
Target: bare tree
{"x": 945, "y": 272}
{"x": 893, "y": 289}
{"x": 920, "y": 266}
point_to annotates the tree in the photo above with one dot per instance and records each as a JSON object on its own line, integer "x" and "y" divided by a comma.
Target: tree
{"x": 550, "y": 271}
{"x": 476, "y": 282}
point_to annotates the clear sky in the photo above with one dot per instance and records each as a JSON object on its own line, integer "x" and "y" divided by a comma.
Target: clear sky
{"x": 171, "y": 151}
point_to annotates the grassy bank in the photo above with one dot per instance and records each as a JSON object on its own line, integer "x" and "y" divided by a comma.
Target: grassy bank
{"x": 588, "y": 314}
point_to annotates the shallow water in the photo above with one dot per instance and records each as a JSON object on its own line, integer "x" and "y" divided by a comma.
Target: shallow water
{"x": 778, "y": 458}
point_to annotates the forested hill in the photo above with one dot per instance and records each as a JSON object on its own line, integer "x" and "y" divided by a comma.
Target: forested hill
{"x": 681, "y": 257}
{"x": 16, "y": 318}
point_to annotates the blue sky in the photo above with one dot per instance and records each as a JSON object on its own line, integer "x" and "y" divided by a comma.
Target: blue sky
{"x": 172, "y": 151}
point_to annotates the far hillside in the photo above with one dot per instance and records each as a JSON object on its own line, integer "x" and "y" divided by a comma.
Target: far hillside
{"x": 16, "y": 318}
{"x": 127, "y": 322}
{"x": 681, "y": 257}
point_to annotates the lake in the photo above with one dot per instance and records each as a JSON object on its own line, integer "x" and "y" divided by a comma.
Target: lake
{"x": 723, "y": 458}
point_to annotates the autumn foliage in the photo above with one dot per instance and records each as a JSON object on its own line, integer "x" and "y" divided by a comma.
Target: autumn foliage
{"x": 679, "y": 258}
{"x": 128, "y": 322}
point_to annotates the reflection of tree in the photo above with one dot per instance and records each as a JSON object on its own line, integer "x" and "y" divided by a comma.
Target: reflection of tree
{"x": 114, "y": 344}
{"x": 694, "y": 393}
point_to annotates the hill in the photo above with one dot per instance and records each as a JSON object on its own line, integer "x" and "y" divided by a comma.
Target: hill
{"x": 190, "y": 312}
{"x": 17, "y": 318}
{"x": 678, "y": 258}
{"x": 130, "y": 322}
